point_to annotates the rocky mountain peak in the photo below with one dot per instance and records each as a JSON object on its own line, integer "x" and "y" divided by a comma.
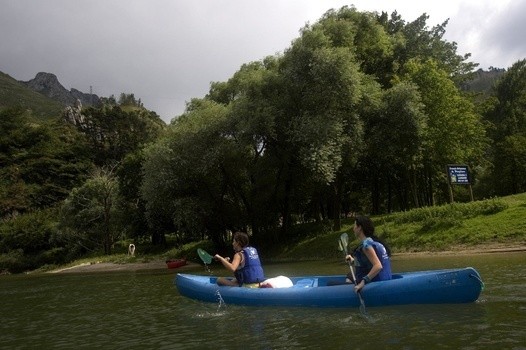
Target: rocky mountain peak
{"x": 48, "y": 85}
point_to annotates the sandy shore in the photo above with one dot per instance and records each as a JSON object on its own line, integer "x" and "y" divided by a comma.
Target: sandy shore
{"x": 161, "y": 265}
{"x": 110, "y": 267}
{"x": 461, "y": 250}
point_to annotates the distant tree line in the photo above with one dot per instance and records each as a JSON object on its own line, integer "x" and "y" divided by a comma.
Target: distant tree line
{"x": 361, "y": 113}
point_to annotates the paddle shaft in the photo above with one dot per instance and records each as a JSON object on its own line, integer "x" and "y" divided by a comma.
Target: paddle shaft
{"x": 344, "y": 242}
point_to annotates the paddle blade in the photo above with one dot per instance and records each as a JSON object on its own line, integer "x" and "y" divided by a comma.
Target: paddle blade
{"x": 344, "y": 242}
{"x": 207, "y": 258}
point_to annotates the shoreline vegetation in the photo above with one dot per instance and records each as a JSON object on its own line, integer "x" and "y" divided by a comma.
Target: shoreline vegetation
{"x": 98, "y": 266}
{"x": 493, "y": 225}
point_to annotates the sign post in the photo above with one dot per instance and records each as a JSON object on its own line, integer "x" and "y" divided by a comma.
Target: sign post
{"x": 458, "y": 174}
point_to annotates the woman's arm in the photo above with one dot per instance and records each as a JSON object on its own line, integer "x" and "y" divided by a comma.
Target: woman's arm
{"x": 375, "y": 270}
{"x": 232, "y": 266}
{"x": 373, "y": 258}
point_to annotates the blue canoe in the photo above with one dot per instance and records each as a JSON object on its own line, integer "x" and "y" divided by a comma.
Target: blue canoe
{"x": 423, "y": 287}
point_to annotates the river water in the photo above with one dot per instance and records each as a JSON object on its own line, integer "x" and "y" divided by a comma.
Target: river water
{"x": 143, "y": 310}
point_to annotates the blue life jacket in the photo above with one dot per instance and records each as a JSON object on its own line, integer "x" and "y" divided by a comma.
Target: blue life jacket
{"x": 363, "y": 265}
{"x": 252, "y": 272}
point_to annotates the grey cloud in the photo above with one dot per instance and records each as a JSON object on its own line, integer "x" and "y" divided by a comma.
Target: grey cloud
{"x": 167, "y": 52}
{"x": 506, "y": 35}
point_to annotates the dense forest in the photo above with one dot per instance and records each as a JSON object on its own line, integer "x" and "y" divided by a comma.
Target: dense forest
{"x": 361, "y": 114}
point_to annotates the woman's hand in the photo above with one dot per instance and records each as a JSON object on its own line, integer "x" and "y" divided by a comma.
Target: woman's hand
{"x": 359, "y": 286}
{"x": 349, "y": 258}
{"x": 218, "y": 257}
{"x": 230, "y": 265}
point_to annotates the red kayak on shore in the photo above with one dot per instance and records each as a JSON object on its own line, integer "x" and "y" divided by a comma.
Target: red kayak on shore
{"x": 175, "y": 263}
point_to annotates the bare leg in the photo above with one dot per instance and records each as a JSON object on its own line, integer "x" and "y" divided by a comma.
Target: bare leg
{"x": 223, "y": 281}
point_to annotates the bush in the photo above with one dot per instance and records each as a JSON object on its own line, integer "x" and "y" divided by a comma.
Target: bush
{"x": 25, "y": 239}
{"x": 14, "y": 261}
{"x": 29, "y": 232}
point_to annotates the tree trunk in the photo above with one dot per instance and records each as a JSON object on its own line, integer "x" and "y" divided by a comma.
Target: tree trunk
{"x": 337, "y": 203}
{"x": 414, "y": 188}
{"x": 375, "y": 196}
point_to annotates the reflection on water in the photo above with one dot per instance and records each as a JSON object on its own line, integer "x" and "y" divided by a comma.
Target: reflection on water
{"x": 142, "y": 310}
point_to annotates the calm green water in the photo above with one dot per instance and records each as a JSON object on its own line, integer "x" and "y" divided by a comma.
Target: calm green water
{"x": 142, "y": 310}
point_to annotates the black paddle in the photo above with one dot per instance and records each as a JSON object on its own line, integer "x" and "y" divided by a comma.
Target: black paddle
{"x": 343, "y": 243}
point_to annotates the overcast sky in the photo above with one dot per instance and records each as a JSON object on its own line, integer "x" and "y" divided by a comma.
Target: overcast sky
{"x": 168, "y": 51}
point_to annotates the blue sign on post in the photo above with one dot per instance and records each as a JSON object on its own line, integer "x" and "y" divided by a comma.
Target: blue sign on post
{"x": 458, "y": 174}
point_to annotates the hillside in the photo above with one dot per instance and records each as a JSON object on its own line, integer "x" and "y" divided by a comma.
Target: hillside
{"x": 483, "y": 82}
{"x": 14, "y": 94}
{"x": 48, "y": 85}
{"x": 43, "y": 95}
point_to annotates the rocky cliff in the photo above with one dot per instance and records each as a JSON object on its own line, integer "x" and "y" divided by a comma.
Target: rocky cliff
{"x": 48, "y": 85}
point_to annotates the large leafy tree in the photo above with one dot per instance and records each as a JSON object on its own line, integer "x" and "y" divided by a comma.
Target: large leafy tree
{"x": 394, "y": 142}
{"x": 251, "y": 170}
{"x": 116, "y": 134}
{"x": 130, "y": 176}
{"x": 114, "y": 131}
{"x": 416, "y": 40}
{"x": 183, "y": 184}
{"x": 319, "y": 129}
{"x": 364, "y": 35}
{"x": 454, "y": 132}
{"x": 90, "y": 216}
{"x": 508, "y": 118}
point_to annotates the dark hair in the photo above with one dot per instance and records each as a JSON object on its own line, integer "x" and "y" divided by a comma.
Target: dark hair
{"x": 241, "y": 238}
{"x": 366, "y": 224}
{"x": 368, "y": 230}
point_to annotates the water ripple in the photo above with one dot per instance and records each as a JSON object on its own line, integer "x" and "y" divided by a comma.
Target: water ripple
{"x": 144, "y": 311}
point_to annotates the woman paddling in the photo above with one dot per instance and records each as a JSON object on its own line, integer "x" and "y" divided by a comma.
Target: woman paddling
{"x": 245, "y": 264}
{"x": 371, "y": 257}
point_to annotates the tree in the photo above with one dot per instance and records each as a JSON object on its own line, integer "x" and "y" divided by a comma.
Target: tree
{"x": 508, "y": 118}
{"x": 318, "y": 123}
{"x": 454, "y": 132}
{"x": 364, "y": 35}
{"x": 416, "y": 41}
{"x": 130, "y": 177}
{"x": 394, "y": 138}
{"x": 250, "y": 171}
{"x": 113, "y": 131}
{"x": 90, "y": 213}
{"x": 117, "y": 135}
{"x": 185, "y": 166}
